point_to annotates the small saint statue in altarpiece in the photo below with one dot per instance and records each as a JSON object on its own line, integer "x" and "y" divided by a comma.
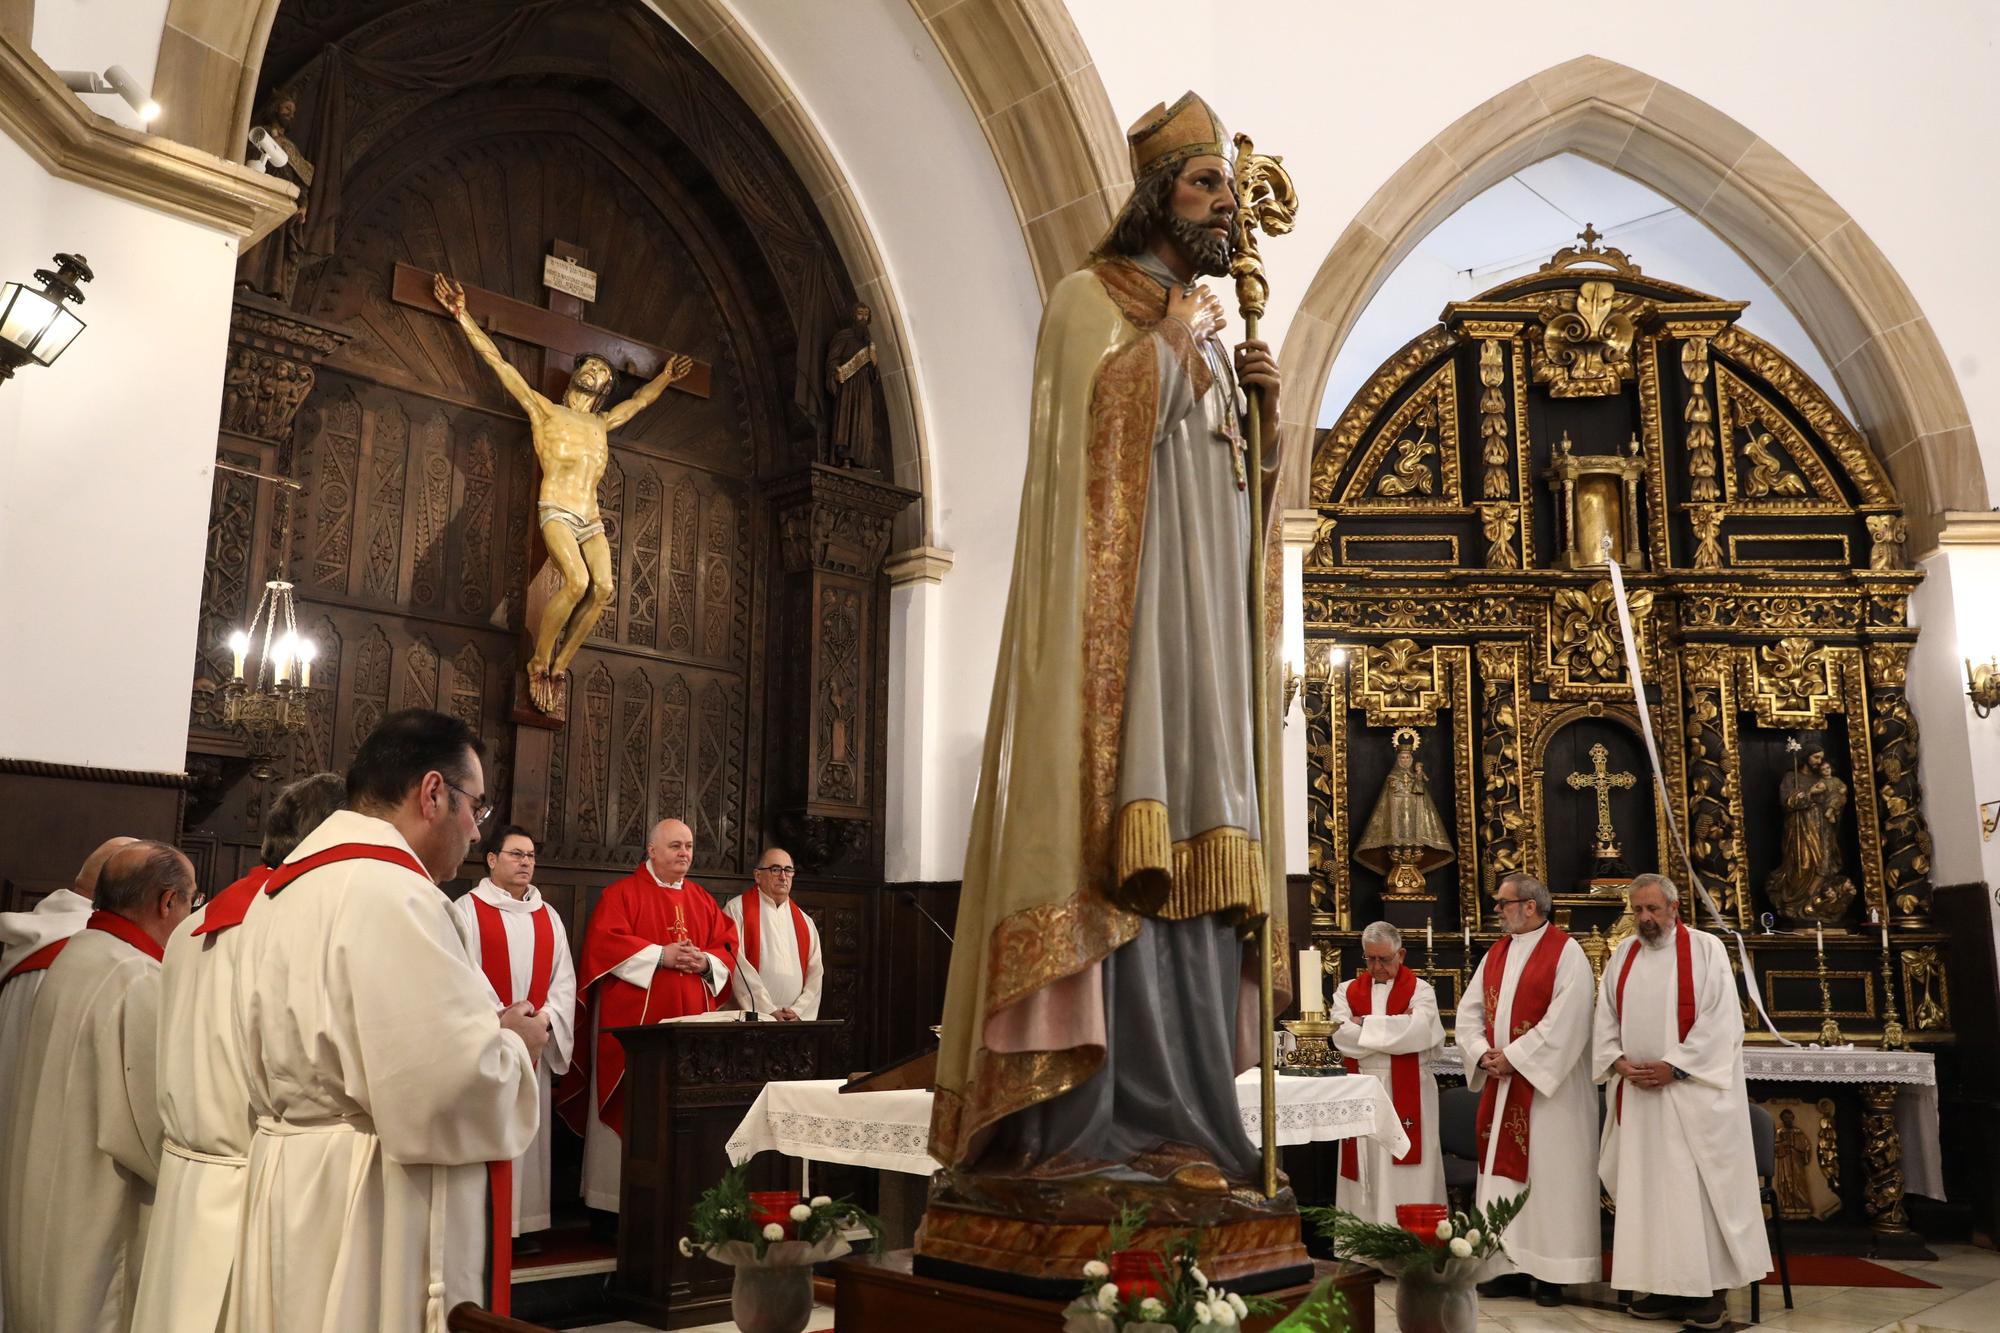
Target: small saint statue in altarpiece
{"x": 1405, "y": 838}
{"x": 1808, "y": 884}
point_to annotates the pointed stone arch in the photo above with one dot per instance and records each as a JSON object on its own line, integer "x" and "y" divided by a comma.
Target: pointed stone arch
{"x": 1845, "y": 293}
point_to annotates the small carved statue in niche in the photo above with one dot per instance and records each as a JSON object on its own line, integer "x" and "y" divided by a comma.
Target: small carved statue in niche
{"x": 1808, "y": 885}
{"x": 1795, "y": 1149}
{"x": 271, "y": 267}
{"x": 1889, "y": 532}
{"x": 853, "y": 380}
{"x": 1405, "y": 838}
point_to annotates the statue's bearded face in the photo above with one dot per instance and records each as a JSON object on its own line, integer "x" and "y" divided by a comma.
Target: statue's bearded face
{"x": 1199, "y": 213}
{"x": 589, "y": 385}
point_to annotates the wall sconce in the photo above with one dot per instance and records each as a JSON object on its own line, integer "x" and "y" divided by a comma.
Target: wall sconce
{"x": 1982, "y": 685}
{"x": 38, "y": 326}
{"x": 116, "y": 79}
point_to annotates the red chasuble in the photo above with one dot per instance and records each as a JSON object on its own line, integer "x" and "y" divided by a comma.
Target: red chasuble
{"x": 753, "y": 931}
{"x": 1683, "y": 984}
{"x": 1406, "y": 1071}
{"x": 635, "y": 913}
{"x": 1532, "y": 994}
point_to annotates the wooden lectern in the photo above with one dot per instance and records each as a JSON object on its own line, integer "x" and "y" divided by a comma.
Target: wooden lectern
{"x": 687, "y": 1087}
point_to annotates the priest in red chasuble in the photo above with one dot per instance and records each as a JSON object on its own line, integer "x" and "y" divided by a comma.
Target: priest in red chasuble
{"x": 1388, "y": 1027}
{"x": 1524, "y": 1028}
{"x": 1102, "y": 994}
{"x": 657, "y": 947}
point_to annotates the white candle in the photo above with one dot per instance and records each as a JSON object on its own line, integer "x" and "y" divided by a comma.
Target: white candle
{"x": 1428, "y": 943}
{"x": 239, "y": 648}
{"x": 1468, "y": 943}
{"x": 1819, "y": 932}
{"x": 1311, "y": 1001}
{"x": 1885, "y": 937}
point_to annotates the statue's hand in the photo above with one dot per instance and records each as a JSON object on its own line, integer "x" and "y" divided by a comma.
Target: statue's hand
{"x": 679, "y": 367}
{"x": 449, "y": 294}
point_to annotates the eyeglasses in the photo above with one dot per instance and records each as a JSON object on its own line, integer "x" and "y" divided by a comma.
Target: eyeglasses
{"x": 1510, "y": 902}
{"x": 482, "y": 809}
{"x": 777, "y": 870}
{"x": 518, "y": 856}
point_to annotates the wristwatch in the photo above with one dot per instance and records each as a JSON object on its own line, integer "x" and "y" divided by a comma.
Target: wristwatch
{"x": 1679, "y": 1073}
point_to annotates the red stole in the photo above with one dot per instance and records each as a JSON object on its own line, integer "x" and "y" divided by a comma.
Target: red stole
{"x": 753, "y": 931}
{"x": 115, "y": 925}
{"x": 1405, "y": 1071}
{"x": 36, "y": 961}
{"x": 1683, "y": 984}
{"x": 232, "y": 903}
{"x": 498, "y": 965}
{"x": 636, "y": 913}
{"x": 1532, "y": 993}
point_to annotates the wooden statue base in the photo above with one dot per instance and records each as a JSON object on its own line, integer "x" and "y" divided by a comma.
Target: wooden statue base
{"x": 884, "y": 1292}
{"x": 1033, "y": 1237}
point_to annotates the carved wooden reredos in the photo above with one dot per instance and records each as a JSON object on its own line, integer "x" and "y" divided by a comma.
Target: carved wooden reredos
{"x": 1462, "y": 497}
{"x": 738, "y": 678}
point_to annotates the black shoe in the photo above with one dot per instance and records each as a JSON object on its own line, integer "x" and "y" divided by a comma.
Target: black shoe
{"x": 1548, "y": 1293}
{"x": 528, "y": 1244}
{"x": 1711, "y": 1313}
{"x": 1510, "y": 1284}
{"x": 1658, "y": 1307}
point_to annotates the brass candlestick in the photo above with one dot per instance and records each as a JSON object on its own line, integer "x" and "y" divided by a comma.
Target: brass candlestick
{"x": 1892, "y": 1027}
{"x": 1314, "y": 1056}
{"x": 1829, "y": 1031}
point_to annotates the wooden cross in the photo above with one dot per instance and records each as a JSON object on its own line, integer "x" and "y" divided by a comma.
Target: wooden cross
{"x": 559, "y": 330}
{"x": 1602, "y": 782}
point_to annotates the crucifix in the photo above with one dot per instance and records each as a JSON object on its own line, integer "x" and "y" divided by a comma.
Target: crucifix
{"x": 571, "y": 428}
{"x": 1600, "y": 780}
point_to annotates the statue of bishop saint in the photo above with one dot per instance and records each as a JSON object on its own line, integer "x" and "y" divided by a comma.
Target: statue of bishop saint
{"x": 1103, "y": 991}
{"x": 573, "y": 445}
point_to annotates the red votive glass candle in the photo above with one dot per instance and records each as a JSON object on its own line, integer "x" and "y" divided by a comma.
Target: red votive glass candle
{"x": 1139, "y": 1274}
{"x": 1421, "y": 1220}
{"x": 767, "y": 1206}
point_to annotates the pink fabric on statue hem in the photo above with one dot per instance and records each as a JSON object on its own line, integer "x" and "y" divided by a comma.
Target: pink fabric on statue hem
{"x": 1058, "y": 1017}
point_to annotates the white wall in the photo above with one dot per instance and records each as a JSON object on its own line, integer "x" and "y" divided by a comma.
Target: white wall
{"x": 96, "y": 34}
{"x": 104, "y": 478}
{"x": 896, "y": 120}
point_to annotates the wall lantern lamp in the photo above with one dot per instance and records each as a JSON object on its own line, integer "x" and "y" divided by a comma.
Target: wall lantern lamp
{"x": 38, "y": 326}
{"x": 116, "y": 79}
{"x": 1982, "y": 685}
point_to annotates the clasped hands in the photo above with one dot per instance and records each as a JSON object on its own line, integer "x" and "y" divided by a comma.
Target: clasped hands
{"x": 682, "y": 956}
{"x": 1647, "y": 1074}
{"x": 531, "y": 1025}
{"x": 1496, "y": 1064}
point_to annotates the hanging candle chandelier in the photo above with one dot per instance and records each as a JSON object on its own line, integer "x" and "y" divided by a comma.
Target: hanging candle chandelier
{"x": 268, "y": 697}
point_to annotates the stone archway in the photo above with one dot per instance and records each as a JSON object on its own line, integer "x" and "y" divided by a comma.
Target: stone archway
{"x": 1843, "y": 290}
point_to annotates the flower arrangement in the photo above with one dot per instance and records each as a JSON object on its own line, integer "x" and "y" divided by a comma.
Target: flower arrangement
{"x": 1451, "y": 1247}
{"x": 1127, "y": 1290}
{"x": 728, "y": 1226}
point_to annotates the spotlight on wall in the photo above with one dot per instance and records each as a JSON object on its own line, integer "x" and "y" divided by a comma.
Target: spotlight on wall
{"x": 38, "y": 326}
{"x": 1982, "y": 685}
{"x": 116, "y": 79}
{"x": 270, "y": 153}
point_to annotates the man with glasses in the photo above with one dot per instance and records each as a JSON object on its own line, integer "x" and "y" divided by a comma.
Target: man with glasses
{"x": 657, "y": 947}
{"x": 383, "y": 1081}
{"x": 780, "y": 970}
{"x": 520, "y": 944}
{"x": 1524, "y": 1030}
{"x": 1388, "y": 1026}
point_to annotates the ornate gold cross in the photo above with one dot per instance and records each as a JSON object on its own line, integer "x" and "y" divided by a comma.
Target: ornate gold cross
{"x": 1602, "y": 781}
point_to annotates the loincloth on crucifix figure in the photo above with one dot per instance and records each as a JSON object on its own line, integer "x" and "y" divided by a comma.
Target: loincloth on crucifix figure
{"x": 573, "y": 445}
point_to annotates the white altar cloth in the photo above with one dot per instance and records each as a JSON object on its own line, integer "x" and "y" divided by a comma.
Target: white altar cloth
{"x": 1913, "y": 1072}
{"x": 813, "y": 1119}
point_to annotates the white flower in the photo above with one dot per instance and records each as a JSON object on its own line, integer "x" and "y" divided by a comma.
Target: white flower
{"x": 1150, "y": 1308}
{"x": 800, "y": 1212}
{"x": 687, "y": 1249}
{"x": 1461, "y": 1247}
{"x": 772, "y": 1231}
{"x": 1223, "y": 1314}
{"x": 1096, "y": 1269}
{"x": 820, "y": 1200}
{"x": 725, "y": 1212}
{"x": 1107, "y": 1296}
{"x": 1238, "y": 1304}
{"x": 1444, "y": 1229}
{"x": 1472, "y": 1236}
{"x": 1202, "y": 1312}
{"x": 1195, "y": 1275}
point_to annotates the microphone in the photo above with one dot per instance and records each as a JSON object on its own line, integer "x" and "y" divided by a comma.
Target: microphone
{"x": 911, "y": 899}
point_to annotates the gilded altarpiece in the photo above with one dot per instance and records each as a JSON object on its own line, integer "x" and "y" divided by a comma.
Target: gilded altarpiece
{"x": 1456, "y": 589}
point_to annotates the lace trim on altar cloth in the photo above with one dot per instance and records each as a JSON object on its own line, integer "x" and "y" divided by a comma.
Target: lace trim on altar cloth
{"x": 1802, "y": 1064}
